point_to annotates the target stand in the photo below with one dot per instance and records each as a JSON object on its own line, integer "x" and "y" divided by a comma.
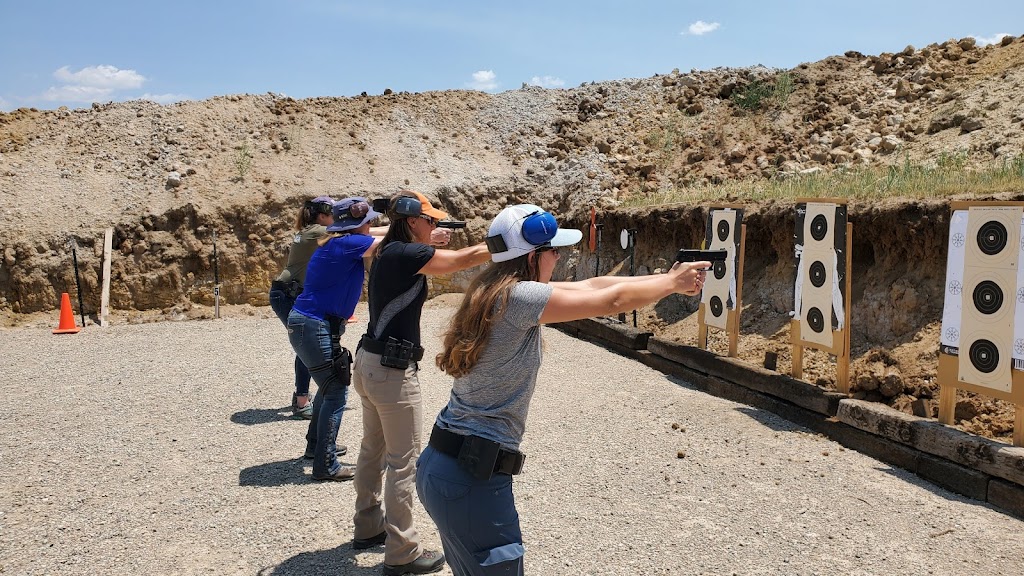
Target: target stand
{"x": 824, "y": 246}
{"x": 721, "y": 299}
{"x": 982, "y": 340}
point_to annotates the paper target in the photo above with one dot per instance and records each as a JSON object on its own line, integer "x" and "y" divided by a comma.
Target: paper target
{"x": 719, "y": 294}
{"x": 624, "y": 239}
{"x": 988, "y": 300}
{"x": 821, "y": 270}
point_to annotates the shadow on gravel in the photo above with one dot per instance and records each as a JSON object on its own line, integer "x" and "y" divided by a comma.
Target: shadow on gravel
{"x": 252, "y": 416}
{"x": 769, "y": 419}
{"x": 280, "y": 473}
{"x": 340, "y": 560}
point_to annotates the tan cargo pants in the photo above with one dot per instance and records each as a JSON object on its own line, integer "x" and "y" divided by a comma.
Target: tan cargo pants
{"x": 392, "y": 434}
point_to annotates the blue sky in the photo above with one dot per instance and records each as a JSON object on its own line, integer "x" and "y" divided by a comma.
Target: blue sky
{"x": 74, "y": 52}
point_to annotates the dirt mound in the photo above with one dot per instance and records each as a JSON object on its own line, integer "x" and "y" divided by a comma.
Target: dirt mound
{"x": 166, "y": 177}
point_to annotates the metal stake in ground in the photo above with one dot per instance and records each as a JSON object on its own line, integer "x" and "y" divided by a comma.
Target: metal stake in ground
{"x": 627, "y": 239}
{"x": 216, "y": 279}
{"x": 78, "y": 281}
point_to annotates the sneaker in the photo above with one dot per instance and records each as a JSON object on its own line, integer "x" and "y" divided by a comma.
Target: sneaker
{"x": 339, "y": 451}
{"x": 428, "y": 562}
{"x": 371, "y": 542}
{"x": 305, "y": 412}
{"x": 343, "y": 474}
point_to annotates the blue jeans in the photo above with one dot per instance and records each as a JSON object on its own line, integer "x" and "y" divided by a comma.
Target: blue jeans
{"x": 477, "y": 519}
{"x": 282, "y": 304}
{"x": 316, "y": 346}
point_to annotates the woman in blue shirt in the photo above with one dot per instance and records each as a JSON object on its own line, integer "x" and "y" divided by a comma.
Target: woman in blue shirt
{"x": 334, "y": 282}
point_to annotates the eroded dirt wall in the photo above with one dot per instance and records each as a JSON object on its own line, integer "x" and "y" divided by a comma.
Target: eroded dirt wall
{"x": 166, "y": 260}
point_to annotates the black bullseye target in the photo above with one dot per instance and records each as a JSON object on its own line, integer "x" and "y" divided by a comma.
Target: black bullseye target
{"x": 718, "y": 269}
{"x": 817, "y": 274}
{"x": 716, "y": 306}
{"x": 988, "y": 297}
{"x": 816, "y": 320}
{"x": 992, "y": 237}
{"x": 723, "y": 230}
{"x": 819, "y": 227}
{"x": 984, "y": 356}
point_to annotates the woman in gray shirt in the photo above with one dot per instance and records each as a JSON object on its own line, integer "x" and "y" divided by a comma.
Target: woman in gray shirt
{"x": 493, "y": 349}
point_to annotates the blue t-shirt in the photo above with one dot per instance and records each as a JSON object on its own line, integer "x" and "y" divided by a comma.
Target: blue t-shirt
{"x": 334, "y": 278}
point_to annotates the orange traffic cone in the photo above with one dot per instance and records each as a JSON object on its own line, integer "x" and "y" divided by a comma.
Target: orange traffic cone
{"x": 352, "y": 319}
{"x": 67, "y": 317}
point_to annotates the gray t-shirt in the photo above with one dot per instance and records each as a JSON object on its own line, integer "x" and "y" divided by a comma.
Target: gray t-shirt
{"x": 492, "y": 400}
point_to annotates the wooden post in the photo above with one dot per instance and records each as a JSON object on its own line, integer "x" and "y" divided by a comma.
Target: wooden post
{"x": 947, "y": 404}
{"x": 1018, "y": 425}
{"x": 843, "y": 360}
{"x": 702, "y": 328}
{"x": 734, "y": 335}
{"x": 797, "y": 370}
{"x": 108, "y": 239}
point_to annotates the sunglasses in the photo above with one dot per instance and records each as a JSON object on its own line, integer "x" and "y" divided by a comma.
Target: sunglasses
{"x": 549, "y": 249}
{"x": 433, "y": 221}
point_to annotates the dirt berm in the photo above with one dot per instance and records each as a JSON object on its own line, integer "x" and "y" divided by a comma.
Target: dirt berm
{"x": 166, "y": 177}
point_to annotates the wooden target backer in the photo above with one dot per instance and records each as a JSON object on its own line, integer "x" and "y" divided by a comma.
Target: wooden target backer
{"x": 981, "y": 348}
{"x": 821, "y": 311}
{"x": 721, "y": 298}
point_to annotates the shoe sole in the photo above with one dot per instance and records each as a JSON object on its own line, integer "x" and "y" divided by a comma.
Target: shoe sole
{"x": 389, "y": 571}
{"x": 368, "y": 543}
{"x": 337, "y": 454}
{"x": 333, "y": 478}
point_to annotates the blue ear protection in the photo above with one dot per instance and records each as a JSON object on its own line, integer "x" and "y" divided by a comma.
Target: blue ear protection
{"x": 406, "y": 206}
{"x": 539, "y": 228}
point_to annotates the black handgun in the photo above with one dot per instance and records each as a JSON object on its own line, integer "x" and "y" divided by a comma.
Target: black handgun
{"x": 453, "y": 224}
{"x": 693, "y": 255}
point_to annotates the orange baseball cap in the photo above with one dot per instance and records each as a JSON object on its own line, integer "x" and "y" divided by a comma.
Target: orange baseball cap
{"x": 427, "y": 208}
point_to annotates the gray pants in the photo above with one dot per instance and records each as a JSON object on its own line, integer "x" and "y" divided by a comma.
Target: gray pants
{"x": 477, "y": 519}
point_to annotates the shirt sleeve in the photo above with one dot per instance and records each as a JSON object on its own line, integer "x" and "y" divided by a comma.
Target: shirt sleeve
{"x": 416, "y": 256}
{"x": 529, "y": 299}
{"x": 356, "y": 245}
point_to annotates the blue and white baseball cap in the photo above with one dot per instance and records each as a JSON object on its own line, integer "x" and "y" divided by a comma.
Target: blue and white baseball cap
{"x": 522, "y": 228}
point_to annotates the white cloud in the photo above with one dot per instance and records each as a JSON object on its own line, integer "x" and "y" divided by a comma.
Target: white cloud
{"x": 101, "y": 77}
{"x": 484, "y": 80}
{"x": 546, "y": 81}
{"x": 76, "y": 94}
{"x": 995, "y": 39}
{"x": 700, "y": 28}
{"x": 164, "y": 98}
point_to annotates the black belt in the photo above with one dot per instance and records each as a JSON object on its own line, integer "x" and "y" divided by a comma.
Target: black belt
{"x": 377, "y": 347}
{"x": 450, "y": 443}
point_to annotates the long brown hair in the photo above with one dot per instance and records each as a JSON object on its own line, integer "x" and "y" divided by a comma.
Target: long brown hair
{"x": 483, "y": 304}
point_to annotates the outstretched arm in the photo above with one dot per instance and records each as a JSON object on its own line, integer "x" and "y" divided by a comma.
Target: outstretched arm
{"x": 574, "y": 304}
{"x": 448, "y": 261}
{"x": 598, "y": 282}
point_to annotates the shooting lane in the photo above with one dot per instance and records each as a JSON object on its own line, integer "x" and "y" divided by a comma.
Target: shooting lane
{"x": 983, "y": 310}
{"x": 721, "y": 299}
{"x": 823, "y": 249}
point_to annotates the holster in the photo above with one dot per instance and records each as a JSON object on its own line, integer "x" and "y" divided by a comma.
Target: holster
{"x": 342, "y": 362}
{"x": 478, "y": 456}
{"x": 291, "y": 288}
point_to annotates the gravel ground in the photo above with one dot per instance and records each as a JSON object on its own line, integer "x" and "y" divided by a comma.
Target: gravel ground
{"x": 167, "y": 449}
